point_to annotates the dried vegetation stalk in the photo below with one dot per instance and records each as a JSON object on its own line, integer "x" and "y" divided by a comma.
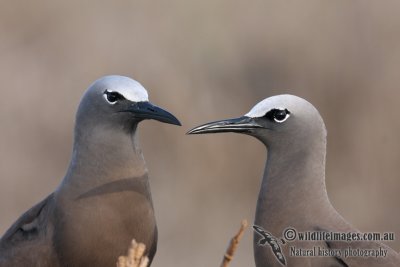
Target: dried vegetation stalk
{"x": 135, "y": 257}
{"x": 233, "y": 245}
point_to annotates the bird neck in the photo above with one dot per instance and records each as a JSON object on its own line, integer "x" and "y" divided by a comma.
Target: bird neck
{"x": 293, "y": 181}
{"x": 103, "y": 155}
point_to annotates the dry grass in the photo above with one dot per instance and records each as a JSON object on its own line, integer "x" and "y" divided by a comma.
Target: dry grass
{"x": 135, "y": 257}
{"x": 230, "y": 251}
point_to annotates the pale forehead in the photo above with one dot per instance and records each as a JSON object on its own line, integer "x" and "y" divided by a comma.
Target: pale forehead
{"x": 129, "y": 88}
{"x": 289, "y": 102}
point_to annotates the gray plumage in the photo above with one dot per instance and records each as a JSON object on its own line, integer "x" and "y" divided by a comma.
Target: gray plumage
{"x": 104, "y": 201}
{"x": 293, "y": 192}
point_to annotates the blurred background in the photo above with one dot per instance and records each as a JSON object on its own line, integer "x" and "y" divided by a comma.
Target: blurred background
{"x": 205, "y": 60}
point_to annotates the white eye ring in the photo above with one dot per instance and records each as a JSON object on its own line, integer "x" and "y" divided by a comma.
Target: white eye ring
{"x": 112, "y": 97}
{"x": 278, "y": 115}
{"x": 282, "y": 120}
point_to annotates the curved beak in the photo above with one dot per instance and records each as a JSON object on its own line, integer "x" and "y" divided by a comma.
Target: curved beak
{"x": 148, "y": 111}
{"x": 239, "y": 125}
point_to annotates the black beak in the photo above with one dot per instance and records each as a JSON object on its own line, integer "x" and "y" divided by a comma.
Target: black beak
{"x": 147, "y": 111}
{"x": 239, "y": 125}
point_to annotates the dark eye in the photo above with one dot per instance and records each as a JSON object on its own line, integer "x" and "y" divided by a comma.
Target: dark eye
{"x": 278, "y": 115}
{"x": 113, "y": 97}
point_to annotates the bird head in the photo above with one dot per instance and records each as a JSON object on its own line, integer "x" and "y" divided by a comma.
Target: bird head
{"x": 118, "y": 101}
{"x": 277, "y": 119}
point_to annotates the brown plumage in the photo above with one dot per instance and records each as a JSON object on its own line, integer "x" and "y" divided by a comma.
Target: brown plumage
{"x": 104, "y": 201}
{"x": 293, "y": 192}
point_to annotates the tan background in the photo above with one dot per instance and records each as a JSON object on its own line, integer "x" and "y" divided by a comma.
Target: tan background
{"x": 205, "y": 60}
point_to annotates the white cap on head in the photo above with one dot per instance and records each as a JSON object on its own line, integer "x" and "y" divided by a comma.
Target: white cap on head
{"x": 127, "y": 87}
{"x": 261, "y": 108}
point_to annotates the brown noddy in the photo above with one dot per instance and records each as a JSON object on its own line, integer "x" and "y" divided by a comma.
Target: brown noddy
{"x": 104, "y": 200}
{"x": 293, "y": 195}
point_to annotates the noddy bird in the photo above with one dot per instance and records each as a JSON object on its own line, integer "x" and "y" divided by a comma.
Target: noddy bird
{"x": 293, "y": 195}
{"x": 104, "y": 200}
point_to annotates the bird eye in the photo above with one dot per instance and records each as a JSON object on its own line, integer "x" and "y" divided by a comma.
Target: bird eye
{"x": 112, "y": 97}
{"x": 278, "y": 115}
